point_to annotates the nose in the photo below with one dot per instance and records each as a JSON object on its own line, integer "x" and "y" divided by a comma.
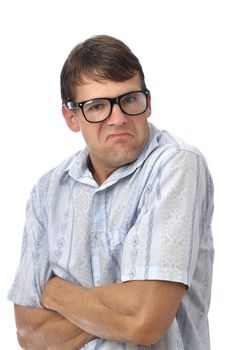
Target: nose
{"x": 117, "y": 117}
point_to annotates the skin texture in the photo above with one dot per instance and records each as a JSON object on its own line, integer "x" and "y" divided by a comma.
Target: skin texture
{"x": 119, "y": 139}
{"x": 44, "y": 329}
{"x": 138, "y": 312}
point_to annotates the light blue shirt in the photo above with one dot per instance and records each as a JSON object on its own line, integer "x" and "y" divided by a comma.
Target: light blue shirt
{"x": 150, "y": 219}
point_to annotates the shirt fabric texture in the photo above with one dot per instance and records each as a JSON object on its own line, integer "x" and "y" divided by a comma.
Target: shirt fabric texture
{"x": 150, "y": 220}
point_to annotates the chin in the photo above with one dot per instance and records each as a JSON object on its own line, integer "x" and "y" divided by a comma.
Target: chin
{"x": 123, "y": 157}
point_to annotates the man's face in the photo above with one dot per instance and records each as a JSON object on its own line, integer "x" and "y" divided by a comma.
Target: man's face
{"x": 116, "y": 141}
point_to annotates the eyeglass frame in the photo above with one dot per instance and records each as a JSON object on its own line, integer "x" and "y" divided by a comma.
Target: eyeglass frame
{"x": 112, "y": 100}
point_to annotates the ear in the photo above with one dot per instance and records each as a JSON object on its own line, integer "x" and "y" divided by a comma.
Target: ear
{"x": 71, "y": 119}
{"x": 149, "y": 106}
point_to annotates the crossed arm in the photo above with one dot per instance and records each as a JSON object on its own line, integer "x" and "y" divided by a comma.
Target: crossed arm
{"x": 45, "y": 329}
{"x": 137, "y": 312}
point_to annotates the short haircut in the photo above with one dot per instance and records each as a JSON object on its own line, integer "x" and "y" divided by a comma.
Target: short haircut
{"x": 101, "y": 57}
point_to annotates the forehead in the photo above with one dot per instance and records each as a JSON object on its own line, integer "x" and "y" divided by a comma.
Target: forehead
{"x": 106, "y": 88}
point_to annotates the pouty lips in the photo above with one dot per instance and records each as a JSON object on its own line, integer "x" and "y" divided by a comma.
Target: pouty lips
{"x": 122, "y": 135}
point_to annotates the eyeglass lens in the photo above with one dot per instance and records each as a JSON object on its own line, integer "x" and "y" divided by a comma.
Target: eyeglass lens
{"x": 134, "y": 103}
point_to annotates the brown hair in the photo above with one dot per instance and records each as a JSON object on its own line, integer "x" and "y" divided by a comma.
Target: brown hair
{"x": 99, "y": 57}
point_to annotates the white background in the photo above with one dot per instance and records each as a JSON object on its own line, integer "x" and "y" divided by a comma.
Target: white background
{"x": 186, "y": 49}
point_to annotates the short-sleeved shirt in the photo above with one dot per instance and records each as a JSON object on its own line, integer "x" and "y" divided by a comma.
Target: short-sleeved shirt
{"x": 150, "y": 220}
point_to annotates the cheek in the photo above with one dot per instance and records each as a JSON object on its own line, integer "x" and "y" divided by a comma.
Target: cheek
{"x": 91, "y": 135}
{"x": 144, "y": 132}
{"x": 142, "y": 127}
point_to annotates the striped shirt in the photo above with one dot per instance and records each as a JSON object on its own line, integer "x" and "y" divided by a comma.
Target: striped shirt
{"x": 150, "y": 220}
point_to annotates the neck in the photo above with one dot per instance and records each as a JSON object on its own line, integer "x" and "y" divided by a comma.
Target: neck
{"x": 100, "y": 176}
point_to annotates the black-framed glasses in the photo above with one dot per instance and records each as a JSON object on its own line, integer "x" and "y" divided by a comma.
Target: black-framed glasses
{"x": 98, "y": 109}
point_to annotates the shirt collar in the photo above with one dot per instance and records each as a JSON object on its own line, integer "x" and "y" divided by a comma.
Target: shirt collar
{"x": 78, "y": 168}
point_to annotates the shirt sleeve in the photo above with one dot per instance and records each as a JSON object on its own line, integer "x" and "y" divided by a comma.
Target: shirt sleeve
{"x": 34, "y": 268}
{"x": 174, "y": 216}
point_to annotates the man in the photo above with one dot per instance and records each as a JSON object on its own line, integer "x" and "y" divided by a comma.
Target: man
{"x": 117, "y": 250}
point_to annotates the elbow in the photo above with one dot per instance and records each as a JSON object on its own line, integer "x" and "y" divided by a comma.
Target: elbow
{"x": 22, "y": 340}
{"x": 146, "y": 338}
{"x": 149, "y": 332}
{"x": 28, "y": 339}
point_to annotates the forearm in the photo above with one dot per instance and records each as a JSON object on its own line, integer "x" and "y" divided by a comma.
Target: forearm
{"x": 86, "y": 309}
{"x": 139, "y": 311}
{"x": 44, "y": 329}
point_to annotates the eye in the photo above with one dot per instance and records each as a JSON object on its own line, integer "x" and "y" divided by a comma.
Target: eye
{"x": 95, "y": 106}
{"x": 128, "y": 99}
